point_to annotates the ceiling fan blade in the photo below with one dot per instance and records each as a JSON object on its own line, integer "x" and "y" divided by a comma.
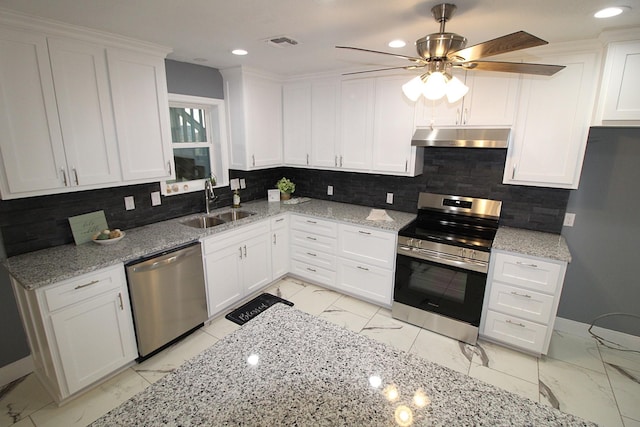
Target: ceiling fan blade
{"x": 410, "y": 67}
{"x": 410, "y": 58}
{"x": 509, "y": 43}
{"x": 512, "y": 67}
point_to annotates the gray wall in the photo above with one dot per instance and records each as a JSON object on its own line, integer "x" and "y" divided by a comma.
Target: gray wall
{"x": 602, "y": 276}
{"x": 194, "y": 80}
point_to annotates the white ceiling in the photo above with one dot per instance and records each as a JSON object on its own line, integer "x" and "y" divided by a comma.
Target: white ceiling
{"x": 210, "y": 29}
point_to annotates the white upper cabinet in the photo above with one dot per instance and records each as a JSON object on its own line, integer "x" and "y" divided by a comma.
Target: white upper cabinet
{"x": 254, "y": 108}
{"x": 31, "y": 145}
{"x": 356, "y": 123}
{"x": 79, "y": 110}
{"x": 619, "y": 100}
{"x": 550, "y": 134}
{"x": 81, "y": 78}
{"x": 141, "y": 105}
{"x": 491, "y": 101}
{"x": 325, "y": 105}
{"x": 393, "y": 128}
{"x": 297, "y": 129}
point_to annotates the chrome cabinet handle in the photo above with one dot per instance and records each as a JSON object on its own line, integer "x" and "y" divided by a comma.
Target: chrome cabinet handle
{"x": 520, "y": 295}
{"x": 311, "y": 269}
{"x": 253, "y": 159}
{"x": 279, "y": 219}
{"x": 75, "y": 175}
{"x": 406, "y": 165}
{"x": 169, "y": 168}
{"x": 245, "y": 251}
{"x": 311, "y": 238}
{"x": 524, "y": 264}
{"x": 336, "y": 161}
{"x": 120, "y": 298}
{"x": 340, "y": 161}
{"x": 364, "y": 232}
{"x": 64, "y": 177}
{"x": 464, "y": 116}
{"x": 274, "y": 238}
{"x": 307, "y": 159}
{"x": 363, "y": 268}
{"x": 513, "y": 172}
{"x": 240, "y": 249}
{"x": 458, "y": 116}
{"x": 312, "y": 222}
{"x": 311, "y": 254}
{"x": 515, "y": 323}
{"x": 93, "y": 282}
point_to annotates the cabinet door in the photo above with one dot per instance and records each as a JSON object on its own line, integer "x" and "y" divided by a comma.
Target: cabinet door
{"x": 141, "y": 105}
{"x": 224, "y": 282}
{"x": 324, "y": 123}
{"x": 31, "y": 143}
{"x": 296, "y": 115}
{"x": 263, "y": 121}
{"x": 86, "y": 112}
{"x": 491, "y": 100}
{"x": 256, "y": 263}
{"x": 366, "y": 281}
{"x": 356, "y": 124}
{"x": 550, "y": 134}
{"x": 279, "y": 247}
{"x": 94, "y": 337}
{"x": 622, "y": 82}
{"x": 392, "y": 126}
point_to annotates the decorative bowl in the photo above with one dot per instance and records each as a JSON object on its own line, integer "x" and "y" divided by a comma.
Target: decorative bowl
{"x": 109, "y": 241}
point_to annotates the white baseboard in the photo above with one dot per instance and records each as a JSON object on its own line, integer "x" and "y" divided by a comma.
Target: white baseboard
{"x": 581, "y": 329}
{"x": 15, "y": 370}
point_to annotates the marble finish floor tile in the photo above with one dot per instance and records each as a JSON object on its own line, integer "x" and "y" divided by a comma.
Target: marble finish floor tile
{"x": 90, "y": 406}
{"x": 506, "y": 382}
{"x": 21, "y": 398}
{"x": 579, "y": 391}
{"x": 390, "y": 331}
{"x": 171, "y": 358}
{"x": 626, "y": 359}
{"x": 286, "y": 287}
{"x": 443, "y": 351}
{"x": 220, "y": 327}
{"x": 356, "y": 306}
{"x": 25, "y": 422}
{"x": 626, "y": 388}
{"x": 506, "y": 360}
{"x": 630, "y": 422}
{"x": 575, "y": 350}
{"x": 344, "y": 318}
{"x": 314, "y": 299}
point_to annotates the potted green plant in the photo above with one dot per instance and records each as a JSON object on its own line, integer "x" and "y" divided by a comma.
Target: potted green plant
{"x": 286, "y": 187}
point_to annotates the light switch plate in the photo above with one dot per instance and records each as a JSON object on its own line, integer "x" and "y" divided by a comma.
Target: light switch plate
{"x": 569, "y": 219}
{"x": 155, "y": 198}
{"x": 243, "y": 184}
{"x": 129, "y": 204}
{"x": 234, "y": 184}
{"x": 390, "y": 198}
{"x": 329, "y": 190}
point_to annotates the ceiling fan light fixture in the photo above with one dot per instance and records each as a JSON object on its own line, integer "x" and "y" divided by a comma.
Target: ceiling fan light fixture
{"x": 435, "y": 87}
{"x": 456, "y": 89}
{"x": 413, "y": 88}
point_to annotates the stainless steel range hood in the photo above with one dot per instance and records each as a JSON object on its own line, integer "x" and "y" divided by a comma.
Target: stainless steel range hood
{"x": 461, "y": 137}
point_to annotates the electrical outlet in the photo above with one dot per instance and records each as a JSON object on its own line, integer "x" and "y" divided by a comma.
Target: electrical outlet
{"x": 329, "y": 190}
{"x": 243, "y": 184}
{"x": 129, "y": 204}
{"x": 569, "y": 219}
{"x": 234, "y": 184}
{"x": 155, "y": 198}
{"x": 390, "y": 198}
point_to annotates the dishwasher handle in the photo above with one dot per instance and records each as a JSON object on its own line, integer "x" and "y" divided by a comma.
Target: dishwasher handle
{"x": 164, "y": 260}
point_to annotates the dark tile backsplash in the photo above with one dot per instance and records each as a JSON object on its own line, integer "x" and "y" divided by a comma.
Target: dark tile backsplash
{"x": 39, "y": 222}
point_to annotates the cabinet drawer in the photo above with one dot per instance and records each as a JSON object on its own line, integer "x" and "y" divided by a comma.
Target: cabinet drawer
{"x": 314, "y": 241}
{"x": 279, "y": 222}
{"x": 84, "y": 287}
{"x": 531, "y": 273}
{"x": 228, "y": 238}
{"x": 314, "y": 225}
{"x": 523, "y": 303}
{"x": 515, "y": 331}
{"x": 366, "y": 281}
{"x": 366, "y": 245}
{"x": 314, "y": 273}
{"x": 311, "y": 256}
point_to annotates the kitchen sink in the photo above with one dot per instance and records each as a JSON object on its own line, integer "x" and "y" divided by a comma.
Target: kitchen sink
{"x": 233, "y": 215}
{"x": 208, "y": 221}
{"x": 204, "y": 222}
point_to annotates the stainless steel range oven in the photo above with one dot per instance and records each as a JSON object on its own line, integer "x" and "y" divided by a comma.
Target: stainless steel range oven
{"x": 442, "y": 263}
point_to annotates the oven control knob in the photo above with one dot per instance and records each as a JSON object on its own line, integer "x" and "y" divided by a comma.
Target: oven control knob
{"x": 418, "y": 244}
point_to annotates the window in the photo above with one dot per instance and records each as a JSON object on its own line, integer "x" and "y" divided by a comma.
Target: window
{"x": 199, "y": 141}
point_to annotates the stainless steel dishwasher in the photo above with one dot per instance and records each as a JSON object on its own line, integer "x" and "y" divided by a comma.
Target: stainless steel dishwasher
{"x": 168, "y": 296}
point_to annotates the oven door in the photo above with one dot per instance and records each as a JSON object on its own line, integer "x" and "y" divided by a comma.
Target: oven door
{"x": 448, "y": 290}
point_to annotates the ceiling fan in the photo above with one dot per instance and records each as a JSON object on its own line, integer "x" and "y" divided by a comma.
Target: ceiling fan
{"x": 440, "y": 52}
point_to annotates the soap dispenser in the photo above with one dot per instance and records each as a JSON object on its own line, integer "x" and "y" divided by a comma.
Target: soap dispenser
{"x": 236, "y": 198}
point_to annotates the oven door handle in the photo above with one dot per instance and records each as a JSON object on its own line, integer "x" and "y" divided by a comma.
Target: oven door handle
{"x": 439, "y": 258}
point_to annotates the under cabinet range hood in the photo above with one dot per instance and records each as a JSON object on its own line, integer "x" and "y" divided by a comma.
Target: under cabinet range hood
{"x": 461, "y": 137}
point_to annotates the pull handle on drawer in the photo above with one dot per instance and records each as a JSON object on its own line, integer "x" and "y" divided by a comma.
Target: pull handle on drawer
{"x": 518, "y": 294}
{"x": 524, "y": 264}
{"x": 511, "y": 322}
{"x": 93, "y": 282}
{"x": 364, "y": 232}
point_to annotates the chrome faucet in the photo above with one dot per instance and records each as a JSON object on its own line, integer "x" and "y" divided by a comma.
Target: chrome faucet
{"x": 209, "y": 195}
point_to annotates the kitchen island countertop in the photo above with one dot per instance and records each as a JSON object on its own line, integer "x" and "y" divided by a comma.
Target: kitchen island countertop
{"x": 533, "y": 243}
{"x": 40, "y": 268}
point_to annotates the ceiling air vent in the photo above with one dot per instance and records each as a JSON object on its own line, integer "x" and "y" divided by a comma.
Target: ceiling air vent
{"x": 281, "y": 41}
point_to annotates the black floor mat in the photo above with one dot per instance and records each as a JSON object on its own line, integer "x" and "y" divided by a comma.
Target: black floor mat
{"x": 248, "y": 311}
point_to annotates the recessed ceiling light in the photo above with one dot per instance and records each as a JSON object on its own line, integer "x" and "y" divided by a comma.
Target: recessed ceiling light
{"x": 239, "y": 52}
{"x": 200, "y": 59}
{"x": 611, "y": 11}
{"x": 397, "y": 43}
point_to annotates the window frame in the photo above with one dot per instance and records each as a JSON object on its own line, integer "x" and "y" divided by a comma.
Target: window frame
{"x": 218, "y": 150}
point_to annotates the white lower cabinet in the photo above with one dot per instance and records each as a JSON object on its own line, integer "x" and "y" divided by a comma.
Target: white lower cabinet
{"x": 279, "y": 246}
{"x": 237, "y": 263}
{"x": 366, "y": 262}
{"x": 521, "y": 300}
{"x": 79, "y": 330}
{"x": 313, "y": 249}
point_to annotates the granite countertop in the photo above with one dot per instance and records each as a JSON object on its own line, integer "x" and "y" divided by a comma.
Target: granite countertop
{"x": 286, "y": 367}
{"x": 40, "y": 268}
{"x": 533, "y": 243}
